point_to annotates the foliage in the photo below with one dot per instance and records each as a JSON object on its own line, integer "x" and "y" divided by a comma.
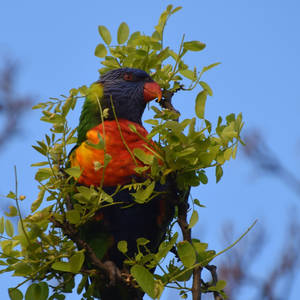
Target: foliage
{"x": 40, "y": 252}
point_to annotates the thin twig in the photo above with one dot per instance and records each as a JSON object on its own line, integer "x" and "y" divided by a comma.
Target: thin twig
{"x": 121, "y": 134}
{"x": 213, "y": 271}
{"x": 103, "y": 132}
{"x": 18, "y": 207}
{"x": 215, "y": 255}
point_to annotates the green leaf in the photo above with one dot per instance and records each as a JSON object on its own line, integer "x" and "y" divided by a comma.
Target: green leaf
{"x": 186, "y": 276}
{"x": 156, "y": 35}
{"x": 76, "y": 262}
{"x": 234, "y": 152}
{"x": 239, "y": 123}
{"x": 183, "y": 294}
{"x": 199, "y": 247}
{"x": 57, "y": 296}
{"x": 110, "y": 63}
{"x": 65, "y": 110}
{"x": 230, "y": 118}
{"x": 161, "y": 23}
{"x": 228, "y": 132}
{"x": 15, "y": 294}
{"x": 122, "y": 246}
{"x": 142, "y": 242}
{"x": 61, "y": 266}
{"x": 188, "y": 74}
{"x": 220, "y": 158}
{"x": 85, "y": 192}
{"x": 107, "y": 159}
{"x": 134, "y": 38}
{"x": 39, "y": 164}
{"x": 206, "y": 87}
{"x": 197, "y": 202}
{"x": 169, "y": 8}
{"x": 173, "y": 54}
{"x": 220, "y": 285}
{"x": 100, "y": 51}
{"x": 210, "y": 67}
{"x": 82, "y": 284}
{"x": 83, "y": 90}
{"x": 186, "y": 253}
{"x": 36, "y": 204}
{"x": 194, "y": 219}
{"x": 186, "y": 152}
{"x": 9, "y": 228}
{"x": 22, "y": 269}
{"x": 53, "y": 118}
{"x": 141, "y": 170}
{"x": 200, "y": 104}
{"x": 1, "y": 225}
{"x": 143, "y": 156}
{"x": 74, "y": 171}
{"x": 227, "y": 153}
{"x": 73, "y": 216}
{"x": 145, "y": 279}
{"x": 132, "y": 128}
{"x": 43, "y": 174}
{"x": 7, "y": 246}
{"x": 38, "y": 106}
{"x": 105, "y": 34}
{"x": 203, "y": 178}
{"x": 11, "y": 195}
{"x": 100, "y": 145}
{"x": 42, "y": 145}
{"x": 142, "y": 195}
{"x": 123, "y": 33}
{"x": 159, "y": 288}
{"x": 12, "y": 211}
{"x": 219, "y": 173}
{"x": 176, "y": 9}
{"x": 194, "y": 46}
{"x": 166, "y": 246}
{"x": 37, "y": 291}
{"x": 74, "y": 265}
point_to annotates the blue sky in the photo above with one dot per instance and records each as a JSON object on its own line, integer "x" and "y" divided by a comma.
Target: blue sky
{"x": 256, "y": 41}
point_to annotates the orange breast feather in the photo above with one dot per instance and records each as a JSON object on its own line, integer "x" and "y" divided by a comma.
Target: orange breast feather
{"x": 121, "y": 167}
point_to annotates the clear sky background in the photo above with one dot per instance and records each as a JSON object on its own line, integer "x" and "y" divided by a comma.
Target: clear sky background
{"x": 258, "y": 44}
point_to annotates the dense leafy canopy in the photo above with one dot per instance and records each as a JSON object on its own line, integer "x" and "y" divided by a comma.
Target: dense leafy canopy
{"x": 38, "y": 251}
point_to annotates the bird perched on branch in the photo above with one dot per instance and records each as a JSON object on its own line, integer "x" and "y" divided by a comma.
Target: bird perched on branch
{"x": 122, "y": 95}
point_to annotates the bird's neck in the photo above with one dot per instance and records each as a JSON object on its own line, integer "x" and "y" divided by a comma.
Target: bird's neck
{"x": 91, "y": 111}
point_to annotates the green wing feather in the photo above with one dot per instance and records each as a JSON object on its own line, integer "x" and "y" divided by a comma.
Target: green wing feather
{"x": 91, "y": 113}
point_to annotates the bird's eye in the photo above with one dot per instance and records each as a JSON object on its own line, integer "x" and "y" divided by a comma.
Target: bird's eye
{"x": 128, "y": 77}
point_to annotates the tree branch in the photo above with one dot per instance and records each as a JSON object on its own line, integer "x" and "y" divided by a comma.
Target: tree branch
{"x": 109, "y": 270}
{"x": 12, "y": 106}
{"x": 166, "y": 101}
{"x": 213, "y": 272}
{"x": 187, "y": 235}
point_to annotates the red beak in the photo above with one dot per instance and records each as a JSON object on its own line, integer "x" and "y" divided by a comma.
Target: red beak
{"x": 151, "y": 91}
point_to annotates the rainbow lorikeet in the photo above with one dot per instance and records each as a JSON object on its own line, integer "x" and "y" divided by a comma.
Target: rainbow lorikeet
{"x": 129, "y": 90}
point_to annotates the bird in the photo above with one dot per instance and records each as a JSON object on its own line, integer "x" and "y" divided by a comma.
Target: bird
{"x": 122, "y": 98}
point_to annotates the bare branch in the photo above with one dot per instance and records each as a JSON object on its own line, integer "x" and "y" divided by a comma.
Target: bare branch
{"x": 12, "y": 107}
{"x": 261, "y": 155}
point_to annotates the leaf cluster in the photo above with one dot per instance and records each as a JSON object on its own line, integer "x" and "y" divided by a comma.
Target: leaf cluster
{"x": 147, "y": 52}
